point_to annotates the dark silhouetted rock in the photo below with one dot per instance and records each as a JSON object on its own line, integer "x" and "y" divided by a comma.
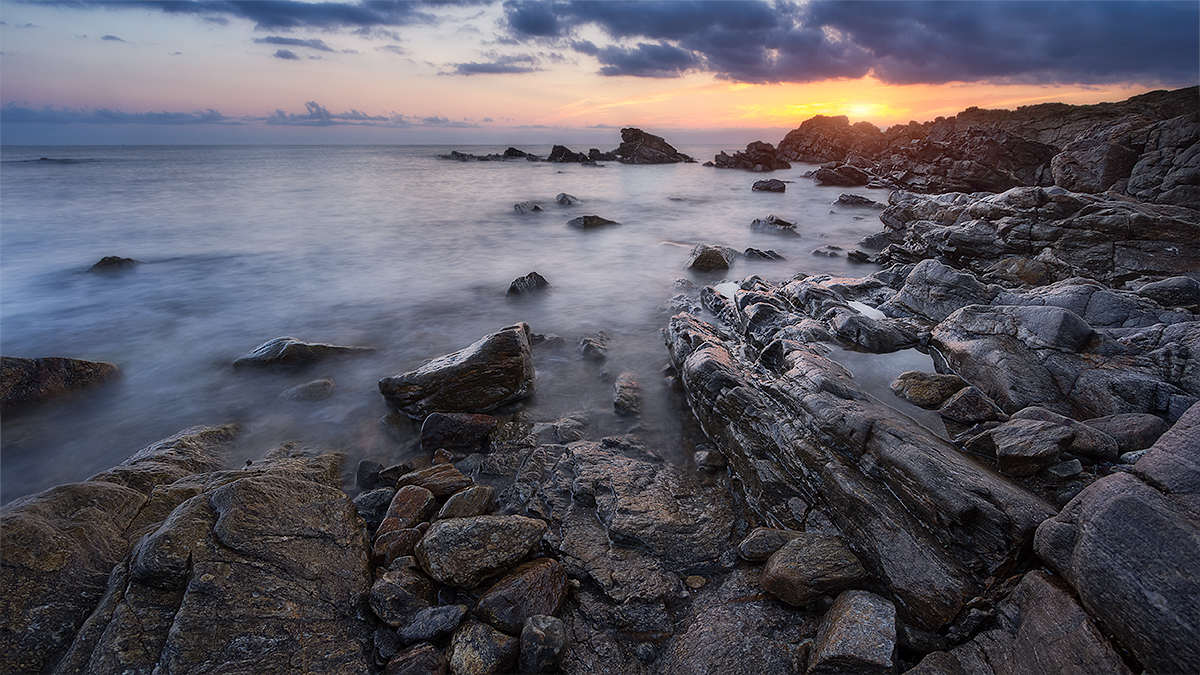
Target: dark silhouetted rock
{"x": 639, "y": 147}
{"x": 114, "y": 263}
{"x": 288, "y": 351}
{"x": 707, "y": 258}
{"x": 594, "y": 348}
{"x": 398, "y": 594}
{"x": 523, "y": 208}
{"x": 456, "y": 432}
{"x": 857, "y": 636}
{"x": 843, "y": 175}
{"x": 770, "y": 185}
{"x": 589, "y": 222}
{"x": 533, "y": 588}
{"x": 530, "y": 283}
{"x": 769, "y": 254}
{"x": 1173, "y": 292}
{"x": 463, "y": 551}
{"x": 809, "y": 566}
{"x": 563, "y": 154}
{"x": 496, "y": 370}
{"x": 432, "y": 623}
{"x": 372, "y": 506}
{"x": 26, "y": 381}
{"x": 543, "y": 644}
{"x": 758, "y": 156}
{"x": 773, "y": 224}
{"x": 856, "y": 200}
{"x": 567, "y": 200}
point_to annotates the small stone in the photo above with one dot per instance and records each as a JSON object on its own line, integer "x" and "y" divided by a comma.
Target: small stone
{"x": 709, "y": 460}
{"x": 773, "y": 223}
{"x": 1024, "y": 447}
{"x": 763, "y": 542}
{"x": 288, "y": 351}
{"x": 627, "y": 395}
{"x": 463, "y": 551}
{"x": 857, "y": 635}
{"x": 695, "y": 581}
{"x": 399, "y": 593}
{"x": 395, "y": 544}
{"x": 809, "y": 566}
{"x": 1063, "y": 470}
{"x": 828, "y": 251}
{"x": 566, "y": 199}
{"x": 442, "y": 456}
{"x": 530, "y": 283}
{"x": 114, "y": 263}
{"x": 770, "y": 185}
{"x": 543, "y": 643}
{"x": 589, "y": 222}
{"x": 372, "y": 506}
{"x": 526, "y": 207}
{"x": 927, "y": 390}
{"x": 410, "y": 505}
{"x": 476, "y": 500}
{"x": 646, "y": 652}
{"x": 1066, "y": 492}
{"x": 420, "y": 660}
{"x": 1131, "y": 431}
{"x": 456, "y": 432}
{"x": 1132, "y": 457}
{"x": 969, "y": 406}
{"x": 432, "y": 623}
{"x": 367, "y": 475}
{"x": 440, "y": 479}
{"x": 479, "y": 649}
{"x": 594, "y": 348}
{"x": 317, "y": 390}
{"x": 769, "y": 254}
{"x": 535, "y": 587}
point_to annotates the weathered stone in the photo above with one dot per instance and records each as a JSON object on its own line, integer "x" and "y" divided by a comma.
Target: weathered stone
{"x": 432, "y": 623}
{"x": 1024, "y": 447}
{"x": 567, "y": 200}
{"x": 26, "y": 381}
{"x": 594, "y": 348}
{"x": 563, "y": 154}
{"x": 738, "y": 628}
{"x": 763, "y": 542}
{"x": 543, "y": 644}
{"x": 857, "y": 636}
{"x": 394, "y": 544}
{"x": 935, "y": 291}
{"x": 771, "y": 185}
{"x": 372, "y": 506}
{"x": 366, "y": 474}
{"x": 856, "y": 200}
{"x": 842, "y": 175}
{"x": 1173, "y": 292}
{"x": 476, "y": 500}
{"x": 773, "y": 224}
{"x": 398, "y": 594}
{"x": 758, "y": 156}
{"x": 1131, "y": 431}
{"x": 456, "y": 432}
{"x": 969, "y": 406}
{"x": 590, "y": 222}
{"x": 410, "y": 505}
{"x": 463, "y": 551}
{"x": 440, "y": 479}
{"x": 627, "y": 394}
{"x": 194, "y": 450}
{"x": 317, "y": 390}
{"x": 288, "y": 351}
{"x": 1088, "y": 441}
{"x": 809, "y": 566}
{"x": 1063, "y": 470}
{"x": 532, "y": 588}
{"x": 1039, "y": 628}
{"x": 928, "y": 390}
{"x": 705, "y": 258}
{"x": 528, "y": 284}
{"x": 769, "y": 254}
{"x": 422, "y": 659}
{"x": 496, "y": 370}
{"x": 479, "y": 649}
{"x": 523, "y": 208}
{"x": 1129, "y": 544}
{"x": 709, "y": 460}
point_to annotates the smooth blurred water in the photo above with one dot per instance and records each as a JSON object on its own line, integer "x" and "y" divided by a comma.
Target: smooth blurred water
{"x": 385, "y": 246}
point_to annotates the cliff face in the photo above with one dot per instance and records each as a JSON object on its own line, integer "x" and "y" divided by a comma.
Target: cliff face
{"x": 1147, "y": 147}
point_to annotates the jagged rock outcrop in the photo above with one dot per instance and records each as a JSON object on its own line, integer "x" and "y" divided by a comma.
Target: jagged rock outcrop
{"x": 639, "y": 147}
{"x": 830, "y": 139}
{"x": 758, "y": 156}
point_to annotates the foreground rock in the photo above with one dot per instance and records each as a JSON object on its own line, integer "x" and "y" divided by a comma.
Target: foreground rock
{"x": 496, "y": 370}
{"x": 857, "y": 635}
{"x": 1130, "y": 546}
{"x": 27, "y": 381}
{"x": 463, "y": 551}
{"x": 639, "y": 147}
{"x": 288, "y": 351}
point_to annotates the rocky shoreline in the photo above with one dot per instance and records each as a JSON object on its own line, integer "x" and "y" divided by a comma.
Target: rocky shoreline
{"x": 1048, "y": 521}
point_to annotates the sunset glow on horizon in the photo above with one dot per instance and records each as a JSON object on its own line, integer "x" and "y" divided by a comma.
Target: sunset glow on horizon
{"x": 184, "y": 71}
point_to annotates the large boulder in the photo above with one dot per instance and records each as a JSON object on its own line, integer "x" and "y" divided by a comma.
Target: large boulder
{"x": 639, "y": 147}
{"x": 496, "y": 370}
{"x": 26, "y": 381}
{"x": 1129, "y": 544}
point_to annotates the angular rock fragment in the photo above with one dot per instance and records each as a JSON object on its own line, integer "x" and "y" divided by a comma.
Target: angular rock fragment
{"x": 770, "y": 185}
{"x": 773, "y": 224}
{"x": 479, "y": 649}
{"x": 809, "y": 566}
{"x": 763, "y": 542}
{"x": 526, "y": 207}
{"x": 26, "y": 381}
{"x": 567, "y": 200}
{"x": 476, "y": 500}
{"x": 590, "y": 222}
{"x": 543, "y": 644}
{"x": 410, "y": 505}
{"x": 398, "y": 594}
{"x": 528, "y": 284}
{"x": 423, "y": 659}
{"x": 456, "y": 432}
{"x": 705, "y": 258}
{"x": 288, "y": 351}
{"x": 532, "y": 588}
{"x": 639, "y": 147}
{"x": 463, "y": 551}
{"x": 627, "y": 395}
{"x": 496, "y": 370}
{"x": 430, "y": 624}
{"x": 442, "y": 480}
{"x": 857, "y": 635}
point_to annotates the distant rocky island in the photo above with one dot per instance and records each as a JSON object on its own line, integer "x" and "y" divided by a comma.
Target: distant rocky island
{"x": 1046, "y": 258}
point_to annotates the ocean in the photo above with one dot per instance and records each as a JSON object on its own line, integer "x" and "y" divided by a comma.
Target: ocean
{"x": 382, "y": 246}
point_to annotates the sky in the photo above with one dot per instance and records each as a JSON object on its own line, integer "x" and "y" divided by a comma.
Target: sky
{"x": 532, "y": 72}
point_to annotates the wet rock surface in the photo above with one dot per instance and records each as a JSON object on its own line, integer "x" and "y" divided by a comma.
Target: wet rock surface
{"x": 28, "y": 381}
{"x": 288, "y": 351}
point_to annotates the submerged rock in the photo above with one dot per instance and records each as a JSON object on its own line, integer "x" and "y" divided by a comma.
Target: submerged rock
{"x": 114, "y": 263}
{"x": 456, "y": 432}
{"x": 523, "y": 208}
{"x": 530, "y": 283}
{"x": 27, "y": 381}
{"x": 288, "y": 351}
{"x": 567, "y": 200}
{"x": 705, "y": 258}
{"x": 317, "y": 390}
{"x": 627, "y": 395}
{"x": 771, "y": 185}
{"x": 774, "y": 224}
{"x": 589, "y": 222}
{"x": 496, "y": 370}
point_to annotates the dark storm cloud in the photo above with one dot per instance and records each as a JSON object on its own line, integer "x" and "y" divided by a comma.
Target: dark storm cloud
{"x": 646, "y": 60}
{"x": 17, "y": 114}
{"x": 286, "y": 55}
{"x": 281, "y": 14}
{"x": 900, "y": 42}
{"x": 294, "y": 42}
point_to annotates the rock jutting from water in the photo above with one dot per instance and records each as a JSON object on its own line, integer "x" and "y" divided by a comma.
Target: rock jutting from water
{"x": 29, "y": 381}
{"x": 288, "y": 351}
